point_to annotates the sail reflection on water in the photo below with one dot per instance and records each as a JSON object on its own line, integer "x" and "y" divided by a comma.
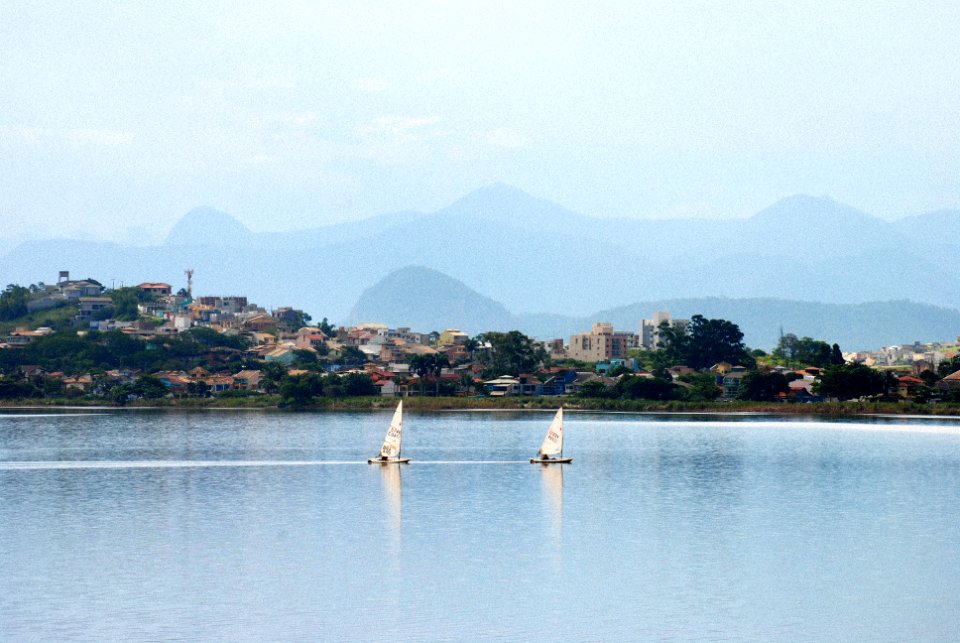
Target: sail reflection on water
{"x": 551, "y": 481}
{"x": 393, "y": 495}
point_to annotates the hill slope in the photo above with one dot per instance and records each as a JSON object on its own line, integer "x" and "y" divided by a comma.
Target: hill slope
{"x": 426, "y": 300}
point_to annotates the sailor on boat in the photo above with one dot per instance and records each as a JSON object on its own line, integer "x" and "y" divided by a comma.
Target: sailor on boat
{"x": 552, "y": 443}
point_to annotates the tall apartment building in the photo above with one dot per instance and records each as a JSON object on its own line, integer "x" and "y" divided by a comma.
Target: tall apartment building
{"x": 650, "y": 329}
{"x": 601, "y": 343}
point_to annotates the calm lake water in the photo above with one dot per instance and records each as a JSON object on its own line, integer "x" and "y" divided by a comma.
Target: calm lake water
{"x": 249, "y": 525}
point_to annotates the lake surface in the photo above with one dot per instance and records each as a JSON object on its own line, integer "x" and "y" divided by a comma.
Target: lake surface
{"x": 251, "y": 525}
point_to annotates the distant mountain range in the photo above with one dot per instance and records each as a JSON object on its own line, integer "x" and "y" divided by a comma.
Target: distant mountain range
{"x": 534, "y": 256}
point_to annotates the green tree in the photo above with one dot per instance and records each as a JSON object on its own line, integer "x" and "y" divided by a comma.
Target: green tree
{"x": 512, "y": 353}
{"x": 619, "y": 369}
{"x": 358, "y": 384}
{"x": 850, "y": 381}
{"x": 762, "y": 387}
{"x": 836, "y": 355}
{"x": 804, "y": 351}
{"x": 703, "y": 386}
{"x": 13, "y": 302}
{"x": 440, "y": 362}
{"x": 353, "y": 356}
{"x": 703, "y": 343}
{"x": 326, "y": 328}
{"x": 272, "y": 374}
{"x": 301, "y": 390}
{"x": 198, "y": 389}
{"x": 149, "y": 388}
{"x": 16, "y": 389}
{"x": 632, "y": 387}
{"x": 125, "y": 302}
{"x": 949, "y": 366}
{"x": 421, "y": 365}
{"x": 306, "y": 360}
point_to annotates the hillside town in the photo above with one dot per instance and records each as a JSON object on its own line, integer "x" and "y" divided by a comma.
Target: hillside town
{"x": 78, "y": 339}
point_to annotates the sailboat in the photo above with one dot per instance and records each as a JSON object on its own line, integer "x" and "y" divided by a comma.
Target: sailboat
{"x": 552, "y": 444}
{"x": 390, "y": 451}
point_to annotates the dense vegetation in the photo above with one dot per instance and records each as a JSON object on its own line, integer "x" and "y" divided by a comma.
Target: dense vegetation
{"x": 13, "y": 302}
{"x": 703, "y": 343}
{"x": 95, "y": 351}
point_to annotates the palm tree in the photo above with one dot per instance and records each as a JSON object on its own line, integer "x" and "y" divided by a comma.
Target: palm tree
{"x": 440, "y": 362}
{"x": 891, "y": 384}
{"x": 421, "y": 365}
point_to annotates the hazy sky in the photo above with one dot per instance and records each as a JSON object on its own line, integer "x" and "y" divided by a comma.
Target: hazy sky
{"x": 117, "y": 118}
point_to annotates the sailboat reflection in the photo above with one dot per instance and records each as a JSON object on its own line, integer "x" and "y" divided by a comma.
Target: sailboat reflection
{"x": 551, "y": 480}
{"x": 393, "y": 496}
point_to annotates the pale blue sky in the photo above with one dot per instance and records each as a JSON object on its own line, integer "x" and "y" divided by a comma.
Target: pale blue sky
{"x": 117, "y": 118}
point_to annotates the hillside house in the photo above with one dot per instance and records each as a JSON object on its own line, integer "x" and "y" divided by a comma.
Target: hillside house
{"x": 218, "y": 383}
{"x": 452, "y": 337}
{"x": 281, "y": 355}
{"x": 23, "y": 336}
{"x": 908, "y": 386}
{"x": 80, "y": 383}
{"x": 730, "y": 381}
{"x": 260, "y": 323}
{"x": 950, "y": 383}
{"x": 247, "y": 380}
{"x": 156, "y": 288}
{"x": 676, "y": 372}
{"x": 310, "y": 337}
{"x": 503, "y": 385}
{"x": 582, "y": 377}
{"x": 556, "y": 380}
{"x": 90, "y": 307}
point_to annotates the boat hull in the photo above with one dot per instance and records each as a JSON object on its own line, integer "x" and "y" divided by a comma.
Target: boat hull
{"x": 551, "y": 461}
{"x": 388, "y": 461}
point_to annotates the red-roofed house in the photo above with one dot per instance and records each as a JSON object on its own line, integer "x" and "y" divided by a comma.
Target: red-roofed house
{"x": 908, "y": 386}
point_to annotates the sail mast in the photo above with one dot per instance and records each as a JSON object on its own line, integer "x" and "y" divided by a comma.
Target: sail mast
{"x": 392, "y": 441}
{"x": 553, "y": 442}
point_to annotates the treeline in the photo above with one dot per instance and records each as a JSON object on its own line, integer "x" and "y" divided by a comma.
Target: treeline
{"x": 70, "y": 352}
{"x": 304, "y": 390}
{"x": 13, "y": 302}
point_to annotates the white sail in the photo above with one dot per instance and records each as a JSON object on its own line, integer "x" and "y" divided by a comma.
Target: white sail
{"x": 553, "y": 443}
{"x": 391, "y": 443}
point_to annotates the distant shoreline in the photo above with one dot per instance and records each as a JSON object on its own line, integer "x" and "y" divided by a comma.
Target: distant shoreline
{"x": 272, "y": 403}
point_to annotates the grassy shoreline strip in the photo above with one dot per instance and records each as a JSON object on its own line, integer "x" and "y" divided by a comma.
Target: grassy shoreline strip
{"x": 271, "y": 402}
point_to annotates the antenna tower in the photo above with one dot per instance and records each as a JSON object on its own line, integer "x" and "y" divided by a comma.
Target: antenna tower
{"x": 189, "y": 273}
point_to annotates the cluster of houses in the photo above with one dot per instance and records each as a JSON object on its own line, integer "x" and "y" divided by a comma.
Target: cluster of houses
{"x": 385, "y": 354}
{"x": 917, "y": 357}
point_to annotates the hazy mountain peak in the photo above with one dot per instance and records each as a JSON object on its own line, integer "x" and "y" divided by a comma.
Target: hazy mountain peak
{"x": 501, "y": 203}
{"x": 423, "y": 299}
{"x": 804, "y": 209}
{"x": 208, "y": 226}
{"x": 494, "y": 196}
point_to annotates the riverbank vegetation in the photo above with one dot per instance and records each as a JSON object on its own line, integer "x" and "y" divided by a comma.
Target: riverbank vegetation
{"x": 428, "y": 404}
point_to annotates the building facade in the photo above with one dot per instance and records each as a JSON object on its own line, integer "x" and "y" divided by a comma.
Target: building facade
{"x": 601, "y": 343}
